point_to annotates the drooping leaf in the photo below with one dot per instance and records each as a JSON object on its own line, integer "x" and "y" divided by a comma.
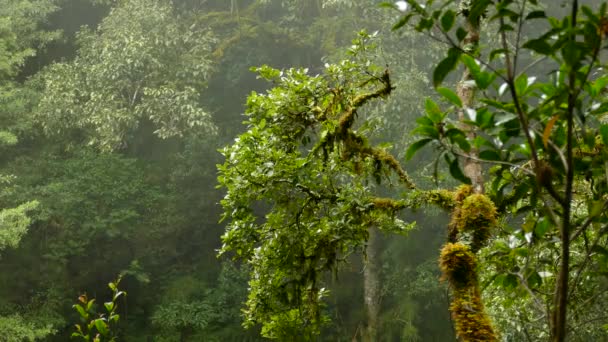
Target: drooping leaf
{"x": 449, "y": 95}
{"x": 445, "y": 66}
{"x": 413, "y": 148}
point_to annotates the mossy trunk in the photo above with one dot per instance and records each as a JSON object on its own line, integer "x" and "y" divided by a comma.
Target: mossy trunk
{"x": 458, "y": 261}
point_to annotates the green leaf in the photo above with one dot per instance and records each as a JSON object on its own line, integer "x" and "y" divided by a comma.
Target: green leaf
{"x": 536, "y": 15}
{"x": 492, "y": 155}
{"x": 539, "y": 46}
{"x": 542, "y": 227}
{"x": 461, "y": 34}
{"x": 432, "y": 111}
{"x": 445, "y": 66}
{"x": 447, "y": 20}
{"x": 534, "y": 280}
{"x": 424, "y": 121}
{"x": 109, "y": 306}
{"x": 497, "y": 53}
{"x": 521, "y": 84}
{"x": 90, "y": 304}
{"x": 456, "y": 171}
{"x": 102, "y": 327}
{"x": 484, "y": 117}
{"x": 604, "y": 134}
{"x": 462, "y": 142}
{"x": 450, "y": 96}
{"x": 81, "y": 311}
{"x": 402, "y": 22}
{"x": 478, "y": 8}
{"x": 429, "y": 131}
{"x": 471, "y": 64}
{"x": 413, "y": 148}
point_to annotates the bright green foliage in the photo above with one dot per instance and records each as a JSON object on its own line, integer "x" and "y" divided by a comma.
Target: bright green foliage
{"x": 141, "y": 64}
{"x": 304, "y": 159}
{"x": 98, "y": 329}
{"x": 15, "y": 328}
{"x": 14, "y": 223}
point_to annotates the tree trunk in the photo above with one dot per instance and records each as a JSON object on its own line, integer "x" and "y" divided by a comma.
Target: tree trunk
{"x": 372, "y": 286}
{"x": 466, "y": 92}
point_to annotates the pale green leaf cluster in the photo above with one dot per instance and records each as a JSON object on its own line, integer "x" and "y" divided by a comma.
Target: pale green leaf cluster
{"x": 14, "y": 223}
{"x": 141, "y": 64}
{"x": 7, "y": 138}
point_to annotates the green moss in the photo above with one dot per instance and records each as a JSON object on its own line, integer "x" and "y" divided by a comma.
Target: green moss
{"x": 462, "y": 192}
{"x": 477, "y": 211}
{"x": 476, "y": 216}
{"x": 458, "y": 264}
{"x": 470, "y": 320}
{"x": 387, "y": 204}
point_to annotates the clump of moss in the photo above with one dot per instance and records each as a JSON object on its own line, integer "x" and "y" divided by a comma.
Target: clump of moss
{"x": 476, "y": 216}
{"x": 443, "y": 198}
{"x": 458, "y": 264}
{"x": 387, "y": 204}
{"x": 477, "y": 211}
{"x": 462, "y": 192}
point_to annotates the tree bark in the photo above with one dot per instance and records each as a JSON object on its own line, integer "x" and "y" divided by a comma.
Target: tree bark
{"x": 371, "y": 284}
{"x": 466, "y": 92}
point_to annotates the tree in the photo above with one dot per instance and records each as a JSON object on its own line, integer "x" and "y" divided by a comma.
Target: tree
{"x": 305, "y": 161}
{"x": 142, "y": 64}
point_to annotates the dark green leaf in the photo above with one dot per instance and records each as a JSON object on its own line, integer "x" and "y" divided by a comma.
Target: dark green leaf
{"x": 461, "y": 34}
{"x": 447, "y": 20}
{"x": 411, "y": 151}
{"x": 489, "y": 155}
{"x": 428, "y": 131}
{"x": 457, "y": 173}
{"x": 536, "y": 15}
{"x": 539, "y": 46}
{"x": 534, "y": 280}
{"x": 445, "y": 66}
{"x": 604, "y": 134}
